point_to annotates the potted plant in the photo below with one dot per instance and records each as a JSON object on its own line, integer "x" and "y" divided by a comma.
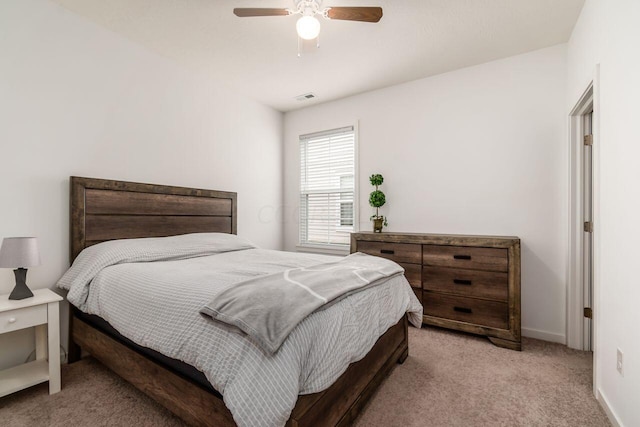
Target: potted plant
{"x": 377, "y": 199}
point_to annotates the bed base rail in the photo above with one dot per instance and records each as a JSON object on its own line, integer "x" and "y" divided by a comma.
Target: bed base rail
{"x": 339, "y": 405}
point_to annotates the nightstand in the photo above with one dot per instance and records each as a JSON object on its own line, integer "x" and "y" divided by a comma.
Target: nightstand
{"x": 42, "y": 312}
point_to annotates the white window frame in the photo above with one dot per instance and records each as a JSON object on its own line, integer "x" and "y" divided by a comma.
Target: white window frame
{"x": 332, "y": 249}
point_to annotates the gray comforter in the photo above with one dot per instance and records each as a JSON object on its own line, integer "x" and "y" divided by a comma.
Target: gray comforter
{"x": 156, "y": 305}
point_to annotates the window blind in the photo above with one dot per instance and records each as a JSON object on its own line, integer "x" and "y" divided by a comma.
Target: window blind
{"x": 327, "y": 187}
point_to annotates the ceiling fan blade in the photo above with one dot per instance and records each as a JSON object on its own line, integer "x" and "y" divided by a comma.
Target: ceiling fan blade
{"x": 364, "y": 14}
{"x": 243, "y": 12}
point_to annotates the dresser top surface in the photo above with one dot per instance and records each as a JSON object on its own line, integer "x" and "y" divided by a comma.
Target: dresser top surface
{"x": 443, "y": 239}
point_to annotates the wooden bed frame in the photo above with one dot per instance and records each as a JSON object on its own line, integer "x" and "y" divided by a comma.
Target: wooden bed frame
{"x": 104, "y": 210}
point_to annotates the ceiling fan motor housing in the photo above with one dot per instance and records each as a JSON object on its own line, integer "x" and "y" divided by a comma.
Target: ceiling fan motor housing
{"x": 309, "y": 8}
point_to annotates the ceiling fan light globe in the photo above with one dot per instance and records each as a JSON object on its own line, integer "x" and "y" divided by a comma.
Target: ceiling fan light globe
{"x": 308, "y": 27}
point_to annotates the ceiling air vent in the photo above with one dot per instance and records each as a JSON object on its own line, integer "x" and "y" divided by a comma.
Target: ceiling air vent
{"x": 305, "y": 97}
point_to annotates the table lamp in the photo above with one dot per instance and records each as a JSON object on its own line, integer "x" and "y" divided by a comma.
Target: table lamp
{"x": 18, "y": 253}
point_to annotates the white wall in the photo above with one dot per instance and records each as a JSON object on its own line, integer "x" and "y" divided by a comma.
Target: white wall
{"x": 476, "y": 151}
{"x": 607, "y": 33}
{"x": 78, "y": 100}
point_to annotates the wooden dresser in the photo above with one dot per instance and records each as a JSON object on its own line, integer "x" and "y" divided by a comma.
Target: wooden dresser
{"x": 467, "y": 283}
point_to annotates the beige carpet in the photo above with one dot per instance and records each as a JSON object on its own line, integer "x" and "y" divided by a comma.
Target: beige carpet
{"x": 449, "y": 379}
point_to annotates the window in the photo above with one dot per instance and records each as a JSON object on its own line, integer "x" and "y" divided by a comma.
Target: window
{"x": 327, "y": 188}
{"x": 346, "y": 201}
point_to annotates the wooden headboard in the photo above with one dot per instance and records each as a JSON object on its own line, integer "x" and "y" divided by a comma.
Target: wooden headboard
{"x": 105, "y": 210}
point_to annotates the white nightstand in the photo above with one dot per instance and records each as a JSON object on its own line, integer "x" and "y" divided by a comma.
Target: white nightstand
{"x": 42, "y": 312}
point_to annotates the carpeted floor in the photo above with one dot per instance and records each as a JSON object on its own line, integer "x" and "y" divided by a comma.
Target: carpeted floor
{"x": 449, "y": 379}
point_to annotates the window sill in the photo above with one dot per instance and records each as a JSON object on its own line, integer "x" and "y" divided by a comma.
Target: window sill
{"x": 325, "y": 250}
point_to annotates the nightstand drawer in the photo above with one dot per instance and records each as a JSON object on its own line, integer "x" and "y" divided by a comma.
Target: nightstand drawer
{"x": 398, "y": 252}
{"x": 479, "y": 312}
{"x": 23, "y": 318}
{"x": 472, "y": 283}
{"x": 488, "y": 259}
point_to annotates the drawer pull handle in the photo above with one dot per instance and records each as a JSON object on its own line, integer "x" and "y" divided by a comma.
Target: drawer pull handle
{"x": 387, "y": 251}
{"x": 462, "y": 310}
{"x": 12, "y": 320}
{"x": 468, "y": 257}
{"x": 462, "y": 282}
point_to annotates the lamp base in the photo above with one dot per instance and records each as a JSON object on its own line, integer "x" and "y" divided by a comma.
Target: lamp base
{"x": 20, "y": 291}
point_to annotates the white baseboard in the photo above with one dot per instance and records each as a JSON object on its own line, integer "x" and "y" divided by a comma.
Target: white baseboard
{"x": 607, "y": 409}
{"x": 544, "y": 335}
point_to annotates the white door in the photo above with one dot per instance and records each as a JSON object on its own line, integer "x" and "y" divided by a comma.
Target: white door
{"x": 587, "y": 215}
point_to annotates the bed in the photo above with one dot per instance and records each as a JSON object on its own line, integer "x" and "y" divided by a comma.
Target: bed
{"x": 105, "y": 210}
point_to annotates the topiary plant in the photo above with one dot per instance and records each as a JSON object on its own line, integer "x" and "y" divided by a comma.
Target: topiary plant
{"x": 377, "y": 199}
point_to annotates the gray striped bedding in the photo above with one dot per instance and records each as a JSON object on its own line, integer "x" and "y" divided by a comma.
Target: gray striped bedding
{"x": 156, "y": 304}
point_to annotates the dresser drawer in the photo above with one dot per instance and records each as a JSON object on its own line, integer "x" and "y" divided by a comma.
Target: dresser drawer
{"x": 413, "y": 273}
{"x": 398, "y": 252}
{"x": 473, "y": 283}
{"x": 488, "y": 259}
{"x": 480, "y": 312}
{"x": 418, "y": 293}
{"x": 23, "y": 318}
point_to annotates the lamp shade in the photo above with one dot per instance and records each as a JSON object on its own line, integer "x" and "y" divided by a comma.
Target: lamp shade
{"x": 19, "y": 252}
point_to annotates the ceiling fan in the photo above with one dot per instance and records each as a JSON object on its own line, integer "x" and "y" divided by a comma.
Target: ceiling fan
{"x": 308, "y": 26}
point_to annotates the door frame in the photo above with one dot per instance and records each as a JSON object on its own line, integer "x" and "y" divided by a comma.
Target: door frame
{"x": 575, "y": 291}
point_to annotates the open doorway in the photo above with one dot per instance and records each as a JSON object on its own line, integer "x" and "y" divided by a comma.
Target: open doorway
{"x": 580, "y": 286}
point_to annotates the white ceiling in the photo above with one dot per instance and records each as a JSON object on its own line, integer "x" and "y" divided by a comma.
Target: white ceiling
{"x": 258, "y": 56}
